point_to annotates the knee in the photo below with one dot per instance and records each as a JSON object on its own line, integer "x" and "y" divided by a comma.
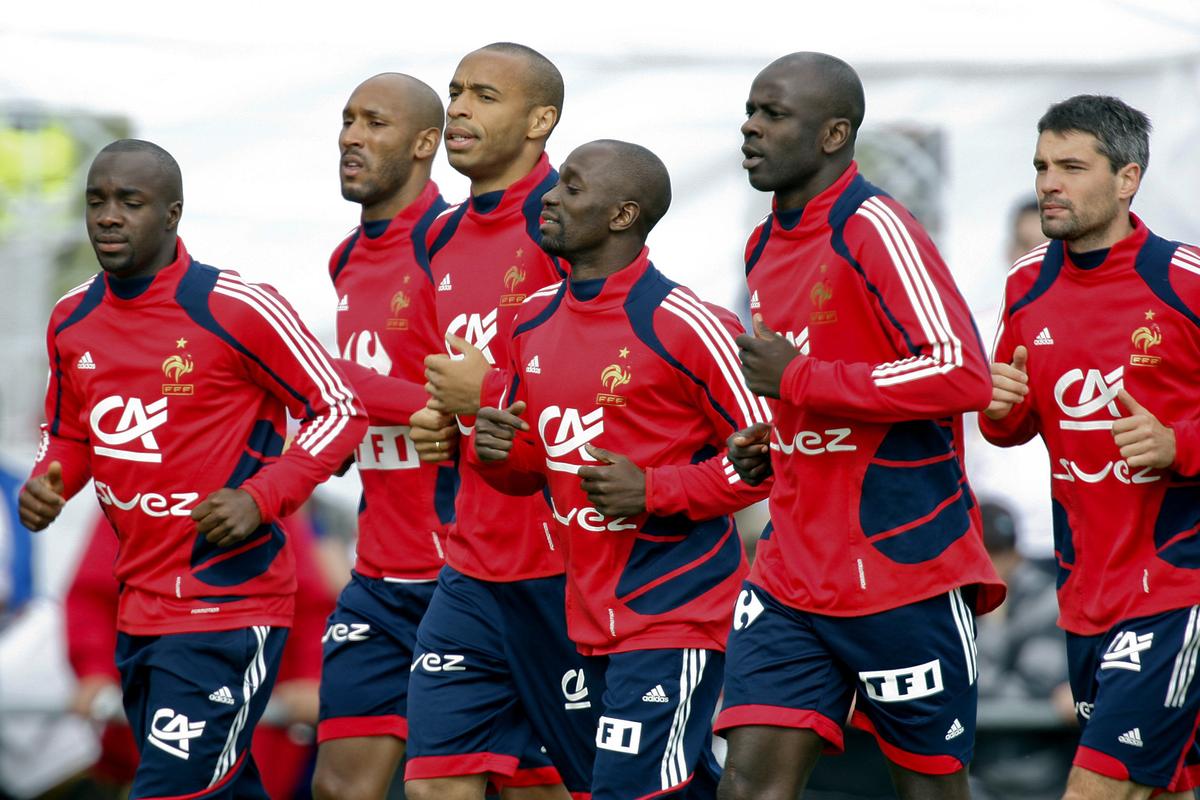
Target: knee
{"x": 329, "y": 785}
{"x": 439, "y": 790}
{"x": 737, "y": 785}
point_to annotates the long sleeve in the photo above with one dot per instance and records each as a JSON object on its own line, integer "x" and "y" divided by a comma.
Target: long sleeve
{"x": 91, "y": 607}
{"x": 701, "y": 337}
{"x": 522, "y": 472}
{"x": 946, "y": 372}
{"x": 1021, "y": 423}
{"x": 1187, "y": 446}
{"x": 289, "y": 363}
{"x": 63, "y": 437}
{"x": 388, "y": 400}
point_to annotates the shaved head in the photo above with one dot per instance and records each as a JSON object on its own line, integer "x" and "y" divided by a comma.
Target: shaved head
{"x": 832, "y": 84}
{"x": 410, "y": 99}
{"x": 168, "y": 174}
{"x": 634, "y": 173}
{"x": 543, "y": 82}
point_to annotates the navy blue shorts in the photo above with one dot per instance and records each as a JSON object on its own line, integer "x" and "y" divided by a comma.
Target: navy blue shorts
{"x": 367, "y": 652}
{"x": 912, "y": 667}
{"x": 654, "y": 735}
{"x": 494, "y": 679}
{"x": 1136, "y": 699}
{"x": 193, "y": 700}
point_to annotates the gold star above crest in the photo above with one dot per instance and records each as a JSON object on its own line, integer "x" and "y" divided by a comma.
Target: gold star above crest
{"x": 520, "y": 252}
{"x": 623, "y": 352}
{"x": 181, "y": 343}
{"x": 407, "y": 278}
{"x": 1150, "y": 314}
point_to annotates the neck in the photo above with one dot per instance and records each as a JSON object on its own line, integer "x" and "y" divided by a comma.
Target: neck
{"x": 1114, "y": 232}
{"x": 611, "y": 257}
{"x": 792, "y": 198}
{"x": 401, "y": 199}
{"x": 507, "y": 174}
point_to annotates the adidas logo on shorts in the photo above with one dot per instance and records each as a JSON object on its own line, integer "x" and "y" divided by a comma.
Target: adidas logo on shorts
{"x": 1044, "y": 337}
{"x": 222, "y": 695}
{"x": 955, "y": 731}
{"x": 1132, "y": 738}
{"x": 656, "y": 695}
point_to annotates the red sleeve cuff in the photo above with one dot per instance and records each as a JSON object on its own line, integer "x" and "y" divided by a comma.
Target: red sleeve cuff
{"x": 265, "y": 513}
{"x": 791, "y": 384}
{"x": 1187, "y": 447}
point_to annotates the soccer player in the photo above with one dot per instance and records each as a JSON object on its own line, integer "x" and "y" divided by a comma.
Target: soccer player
{"x": 387, "y": 323}
{"x": 632, "y": 385}
{"x": 169, "y": 386}
{"x": 870, "y": 572}
{"x": 1097, "y": 352}
{"x": 494, "y": 675}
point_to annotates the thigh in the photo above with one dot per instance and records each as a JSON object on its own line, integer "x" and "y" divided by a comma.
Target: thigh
{"x": 655, "y": 733}
{"x": 367, "y": 652}
{"x": 1141, "y": 716}
{"x": 779, "y": 672}
{"x": 915, "y": 671}
{"x": 463, "y": 711}
{"x": 193, "y": 700}
{"x": 560, "y": 690}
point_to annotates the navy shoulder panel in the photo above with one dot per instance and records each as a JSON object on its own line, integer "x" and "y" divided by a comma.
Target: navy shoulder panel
{"x": 1052, "y": 264}
{"x": 761, "y": 244}
{"x": 544, "y": 314}
{"x": 858, "y": 192}
{"x": 420, "y": 249}
{"x": 345, "y": 256}
{"x": 192, "y": 294}
{"x": 1153, "y": 265}
{"x": 89, "y": 303}
{"x": 644, "y": 299}
{"x": 448, "y": 229}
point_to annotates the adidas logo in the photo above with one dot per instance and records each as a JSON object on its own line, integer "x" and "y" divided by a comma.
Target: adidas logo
{"x": 444, "y": 286}
{"x": 222, "y": 695}
{"x": 1133, "y": 738}
{"x": 1044, "y": 337}
{"x": 754, "y": 299}
{"x": 533, "y": 366}
{"x": 344, "y": 303}
{"x": 656, "y": 695}
{"x": 85, "y": 361}
{"x": 955, "y": 731}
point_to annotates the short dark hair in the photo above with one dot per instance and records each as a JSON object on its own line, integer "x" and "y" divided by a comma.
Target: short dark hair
{"x": 167, "y": 164}
{"x": 1122, "y": 132}
{"x": 544, "y": 81}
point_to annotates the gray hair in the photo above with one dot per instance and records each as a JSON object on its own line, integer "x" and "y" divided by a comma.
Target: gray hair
{"x": 1122, "y": 132}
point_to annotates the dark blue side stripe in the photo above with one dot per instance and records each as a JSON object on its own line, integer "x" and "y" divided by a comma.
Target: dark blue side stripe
{"x": 1153, "y": 266}
{"x": 419, "y": 245}
{"x": 644, "y": 299}
{"x": 858, "y": 192}
{"x": 761, "y": 244}
{"x": 1052, "y": 263}
{"x": 90, "y": 302}
{"x": 192, "y": 295}
{"x": 544, "y": 314}
{"x": 443, "y": 237}
{"x": 345, "y": 256}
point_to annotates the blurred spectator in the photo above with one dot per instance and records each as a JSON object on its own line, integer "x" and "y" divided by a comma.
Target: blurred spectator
{"x": 16, "y": 558}
{"x": 283, "y": 743}
{"x": 1017, "y": 477}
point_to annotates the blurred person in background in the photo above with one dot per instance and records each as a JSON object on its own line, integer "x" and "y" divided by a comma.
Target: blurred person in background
{"x": 170, "y": 386}
{"x": 386, "y": 325}
{"x": 1098, "y": 351}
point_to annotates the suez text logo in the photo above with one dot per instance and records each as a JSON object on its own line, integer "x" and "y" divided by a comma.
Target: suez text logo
{"x": 173, "y": 732}
{"x": 1081, "y": 395}
{"x": 152, "y": 504}
{"x": 347, "y": 632}
{"x": 570, "y": 438}
{"x": 905, "y": 684}
{"x": 477, "y": 329}
{"x": 436, "y": 662}
{"x": 128, "y": 435}
{"x": 814, "y": 443}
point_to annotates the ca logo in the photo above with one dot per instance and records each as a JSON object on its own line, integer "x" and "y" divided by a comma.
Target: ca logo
{"x": 574, "y": 689}
{"x": 1098, "y": 391}
{"x": 476, "y": 329}
{"x": 137, "y": 421}
{"x": 365, "y": 349}
{"x": 174, "y": 736}
{"x": 573, "y": 431}
{"x": 746, "y": 610}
